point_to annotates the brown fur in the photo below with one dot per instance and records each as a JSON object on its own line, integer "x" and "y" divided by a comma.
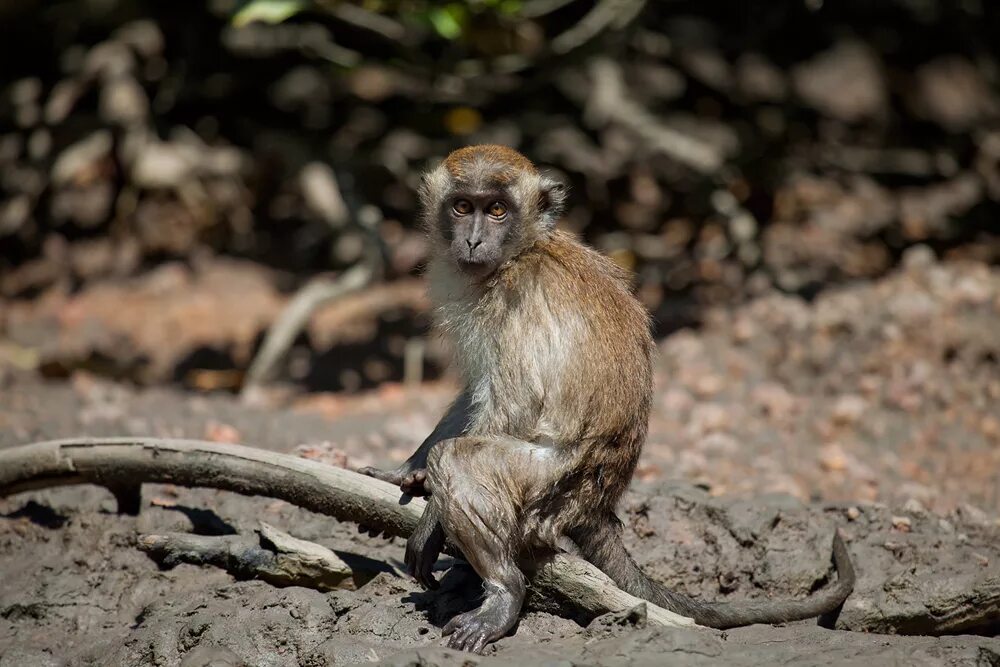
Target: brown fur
{"x": 505, "y": 163}
{"x": 556, "y": 357}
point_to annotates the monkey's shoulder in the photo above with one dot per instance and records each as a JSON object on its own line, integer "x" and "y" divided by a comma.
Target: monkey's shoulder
{"x": 587, "y": 280}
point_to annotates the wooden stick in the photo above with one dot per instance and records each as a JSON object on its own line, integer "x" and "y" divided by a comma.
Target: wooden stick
{"x": 273, "y": 556}
{"x": 343, "y": 494}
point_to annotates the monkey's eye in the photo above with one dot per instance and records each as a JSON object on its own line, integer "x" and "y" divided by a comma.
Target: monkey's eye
{"x": 498, "y": 210}
{"x": 462, "y": 207}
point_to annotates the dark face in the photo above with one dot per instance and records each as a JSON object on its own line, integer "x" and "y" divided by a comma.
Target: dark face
{"x": 478, "y": 226}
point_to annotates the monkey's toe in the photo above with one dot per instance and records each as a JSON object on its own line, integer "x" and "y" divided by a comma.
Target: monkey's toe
{"x": 472, "y": 631}
{"x": 415, "y": 483}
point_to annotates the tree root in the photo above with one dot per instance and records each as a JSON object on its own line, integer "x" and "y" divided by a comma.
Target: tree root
{"x": 117, "y": 463}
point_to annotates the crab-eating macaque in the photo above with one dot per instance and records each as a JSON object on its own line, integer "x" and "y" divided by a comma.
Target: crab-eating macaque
{"x": 555, "y": 354}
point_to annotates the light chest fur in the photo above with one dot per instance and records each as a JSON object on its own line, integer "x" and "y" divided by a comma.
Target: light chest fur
{"x": 518, "y": 392}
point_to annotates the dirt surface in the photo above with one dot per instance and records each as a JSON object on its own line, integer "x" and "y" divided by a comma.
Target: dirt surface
{"x": 792, "y": 417}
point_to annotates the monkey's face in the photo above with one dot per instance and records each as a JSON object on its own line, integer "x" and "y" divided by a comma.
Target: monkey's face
{"x": 478, "y": 227}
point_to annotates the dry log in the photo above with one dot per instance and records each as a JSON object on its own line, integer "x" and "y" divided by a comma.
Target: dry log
{"x": 342, "y": 494}
{"x": 276, "y": 557}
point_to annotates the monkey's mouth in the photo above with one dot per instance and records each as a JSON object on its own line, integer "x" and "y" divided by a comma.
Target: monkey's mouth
{"x": 476, "y": 268}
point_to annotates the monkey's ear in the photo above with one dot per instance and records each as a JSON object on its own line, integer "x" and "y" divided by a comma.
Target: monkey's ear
{"x": 551, "y": 200}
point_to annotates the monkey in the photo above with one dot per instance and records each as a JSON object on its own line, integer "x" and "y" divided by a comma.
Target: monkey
{"x": 556, "y": 358}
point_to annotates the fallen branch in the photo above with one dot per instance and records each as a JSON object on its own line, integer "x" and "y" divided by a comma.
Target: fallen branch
{"x": 342, "y": 494}
{"x": 276, "y": 557}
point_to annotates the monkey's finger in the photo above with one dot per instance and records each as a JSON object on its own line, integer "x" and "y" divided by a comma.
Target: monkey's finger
{"x": 419, "y": 568}
{"x": 391, "y": 476}
{"x": 480, "y": 643}
{"x": 425, "y": 574}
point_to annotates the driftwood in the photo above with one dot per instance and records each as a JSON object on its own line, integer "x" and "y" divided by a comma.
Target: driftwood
{"x": 275, "y": 556}
{"x": 124, "y": 463}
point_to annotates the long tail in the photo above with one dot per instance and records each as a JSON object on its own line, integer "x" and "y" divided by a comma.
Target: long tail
{"x": 604, "y": 548}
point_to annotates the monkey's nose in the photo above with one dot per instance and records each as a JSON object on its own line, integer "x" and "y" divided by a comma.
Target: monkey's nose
{"x": 472, "y": 245}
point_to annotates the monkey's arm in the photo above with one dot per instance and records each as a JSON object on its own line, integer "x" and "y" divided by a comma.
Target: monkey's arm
{"x": 410, "y": 475}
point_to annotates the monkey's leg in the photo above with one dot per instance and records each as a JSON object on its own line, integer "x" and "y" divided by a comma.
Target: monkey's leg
{"x": 478, "y": 489}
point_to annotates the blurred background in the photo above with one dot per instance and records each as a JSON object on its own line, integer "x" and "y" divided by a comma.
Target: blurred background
{"x": 807, "y": 191}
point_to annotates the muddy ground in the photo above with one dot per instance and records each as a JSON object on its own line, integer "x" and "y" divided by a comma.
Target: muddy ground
{"x": 872, "y": 408}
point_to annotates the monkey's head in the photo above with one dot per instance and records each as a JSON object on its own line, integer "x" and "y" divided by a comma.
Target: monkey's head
{"x": 485, "y": 204}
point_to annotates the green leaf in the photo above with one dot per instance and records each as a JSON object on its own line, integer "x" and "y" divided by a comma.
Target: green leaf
{"x": 510, "y": 7}
{"x": 448, "y": 21}
{"x": 267, "y": 11}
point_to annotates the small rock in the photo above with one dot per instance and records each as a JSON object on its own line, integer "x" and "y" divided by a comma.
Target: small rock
{"x": 853, "y": 513}
{"x": 108, "y": 60}
{"x": 677, "y": 401}
{"x": 972, "y": 514}
{"x": 844, "y": 82}
{"x": 849, "y": 409}
{"x": 972, "y": 290}
{"x": 708, "y": 418}
{"x": 708, "y": 386}
{"x": 718, "y": 444}
{"x": 758, "y": 79}
{"x": 902, "y": 524}
{"x": 162, "y": 165}
{"x": 144, "y": 36}
{"x": 833, "y": 459}
{"x": 990, "y": 426}
{"x": 918, "y": 257}
{"x": 952, "y": 92}
{"x": 743, "y": 329}
{"x": 774, "y": 400}
{"x": 123, "y": 101}
{"x": 914, "y": 506}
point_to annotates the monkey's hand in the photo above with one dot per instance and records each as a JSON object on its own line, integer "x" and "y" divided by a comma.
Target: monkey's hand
{"x": 424, "y": 547}
{"x": 411, "y": 481}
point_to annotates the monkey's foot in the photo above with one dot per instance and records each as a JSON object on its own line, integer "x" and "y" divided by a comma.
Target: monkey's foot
{"x": 473, "y": 630}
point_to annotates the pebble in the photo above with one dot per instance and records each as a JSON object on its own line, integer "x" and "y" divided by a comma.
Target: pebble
{"x": 849, "y": 409}
{"x": 914, "y": 506}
